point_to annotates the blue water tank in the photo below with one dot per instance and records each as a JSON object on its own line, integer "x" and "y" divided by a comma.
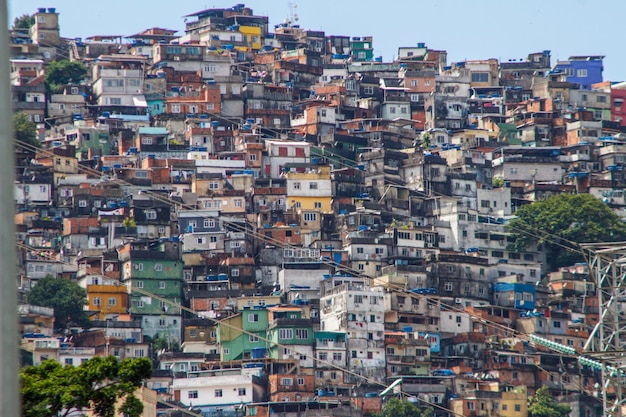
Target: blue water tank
{"x": 222, "y": 277}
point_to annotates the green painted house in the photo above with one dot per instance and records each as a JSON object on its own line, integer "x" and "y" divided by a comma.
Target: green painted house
{"x": 291, "y": 335}
{"x": 242, "y": 336}
{"x": 154, "y": 268}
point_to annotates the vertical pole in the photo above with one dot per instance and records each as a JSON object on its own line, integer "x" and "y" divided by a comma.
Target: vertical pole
{"x": 9, "y": 394}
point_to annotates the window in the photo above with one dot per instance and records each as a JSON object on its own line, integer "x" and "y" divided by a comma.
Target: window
{"x": 253, "y": 318}
{"x": 253, "y": 339}
{"x": 81, "y": 203}
{"x": 323, "y": 356}
{"x": 358, "y": 299}
{"x": 214, "y": 185}
{"x": 238, "y": 203}
{"x": 112, "y": 301}
{"x": 296, "y": 185}
{"x": 518, "y": 407}
{"x": 158, "y": 267}
{"x": 312, "y": 186}
{"x": 448, "y": 286}
{"x": 162, "y": 285}
{"x": 139, "y": 304}
{"x": 310, "y": 217}
{"x": 480, "y": 77}
{"x": 337, "y": 356}
{"x": 285, "y": 333}
{"x": 368, "y": 90}
{"x": 150, "y": 214}
{"x": 252, "y": 157}
{"x": 556, "y": 324}
{"x": 373, "y": 300}
{"x": 192, "y": 394}
{"x": 234, "y": 272}
{"x": 317, "y": 205}
{"x": 302, "y": 333}
{"x": 581, "y": 73}
{"x": 218, "y": 392}
{"x": 242, "y": 392}
{"x": 286, "y": 381}
{"x": 97, "y": 301}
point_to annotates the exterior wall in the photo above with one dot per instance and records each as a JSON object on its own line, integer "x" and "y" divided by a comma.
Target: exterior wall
{"x": 455, "y": 323}
{"x": 214, "y": 390}
{"x": 585, "y": 71}
{"x": 107, "y": 300}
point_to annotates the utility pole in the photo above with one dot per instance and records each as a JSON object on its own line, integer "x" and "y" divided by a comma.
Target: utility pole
{"x": 9, "y": 394}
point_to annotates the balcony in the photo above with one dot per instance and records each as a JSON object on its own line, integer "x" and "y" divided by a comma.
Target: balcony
{"x": 74, "y": 351}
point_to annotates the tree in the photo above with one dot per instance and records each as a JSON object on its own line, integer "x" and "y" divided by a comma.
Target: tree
{"x": 100, "y": 384}
{"x": 25, "y": 21}
{"x": 561, "y": 222}
{"x": 497, "y": 182}
{"x": 543, "y": 405}
{"x": 59, "y": 73}
{"x": 66, "y": 298}
{"x": 402, "y": 408}
{"x": 25, "y": 130}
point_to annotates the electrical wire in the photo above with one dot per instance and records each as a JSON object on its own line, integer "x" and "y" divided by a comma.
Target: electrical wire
{"x": 237, "y": 226}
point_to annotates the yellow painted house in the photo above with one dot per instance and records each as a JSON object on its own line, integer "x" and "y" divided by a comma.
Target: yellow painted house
{"x": 107, "y": 300}
{"x": 310, "y": 190}
{"x": 251, "y": 36}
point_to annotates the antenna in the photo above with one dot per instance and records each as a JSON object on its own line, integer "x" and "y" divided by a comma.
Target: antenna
{"x": 293, "y": 16}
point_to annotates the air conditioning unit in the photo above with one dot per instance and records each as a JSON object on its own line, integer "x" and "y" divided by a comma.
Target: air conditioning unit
{"x": 430, "y": 245}
{"x": 176, "y": 58}
{"x": 457, "y": 301}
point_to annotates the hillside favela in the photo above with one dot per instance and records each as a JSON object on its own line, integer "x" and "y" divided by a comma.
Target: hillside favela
{"x": 240, "y": 219}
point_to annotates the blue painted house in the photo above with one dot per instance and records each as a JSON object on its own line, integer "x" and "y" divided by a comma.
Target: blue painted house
{"x": 584, "y": 70}
{"x": 516, "y": 295}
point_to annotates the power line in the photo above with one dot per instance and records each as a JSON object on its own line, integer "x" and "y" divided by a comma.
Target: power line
{"x": 278, "y": 243}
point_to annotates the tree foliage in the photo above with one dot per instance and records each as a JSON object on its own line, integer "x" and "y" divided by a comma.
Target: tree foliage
{"x": 560, "y": 220}
{"x": 100, "y": 384}
{"x": 25, "y": 130}
{"x": 60, "y": 73}
{"x": 24, "y": 21}
{"x": 543, "y": 405}
{"x": 402, "y": 408}
{"x": 66, "y": 298}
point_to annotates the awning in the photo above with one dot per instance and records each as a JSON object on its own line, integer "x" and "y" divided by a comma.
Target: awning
{"x": 139, "y": 101}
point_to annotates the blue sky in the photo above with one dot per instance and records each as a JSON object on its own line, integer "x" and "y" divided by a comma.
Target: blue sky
{"x": 477, "y": 29}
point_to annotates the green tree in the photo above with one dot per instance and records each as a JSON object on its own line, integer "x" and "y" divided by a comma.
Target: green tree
{"x": 25, "y": 130}
{"x": 59, "y": 73}
{"x": 100, "y": 384}
{"x": 66, "y": 298}
{"x": 543, "y": 405}
{"x": 402, "y": 408}
{"x": 24, "y": 21}
{"x": 497, "y": 182}
{"x": 561, "y": 222}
